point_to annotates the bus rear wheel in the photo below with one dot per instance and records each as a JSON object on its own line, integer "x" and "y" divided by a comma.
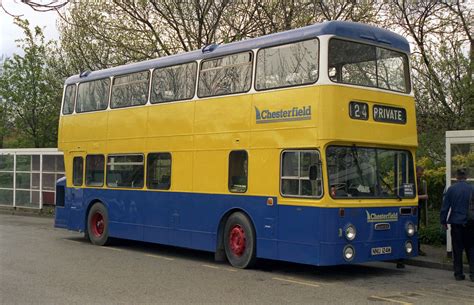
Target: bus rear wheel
{"x": 239, "y": 241}
{"x": 98, "y": 224}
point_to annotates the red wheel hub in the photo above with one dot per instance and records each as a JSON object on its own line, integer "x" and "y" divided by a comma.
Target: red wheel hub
{"x": 97, "y": 224}
{"x": 237, "y": 240}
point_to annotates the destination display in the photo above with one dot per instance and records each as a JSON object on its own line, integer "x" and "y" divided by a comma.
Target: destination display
{"x": 359, "y": 111}
{"x": 389, "y": 114}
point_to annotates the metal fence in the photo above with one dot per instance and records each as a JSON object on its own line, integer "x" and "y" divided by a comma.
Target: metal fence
{"x": 28, "y": 176}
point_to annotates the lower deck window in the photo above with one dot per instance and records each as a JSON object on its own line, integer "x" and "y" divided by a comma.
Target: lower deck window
{"x": 238, "y": 171}
{"x": 77, "y": 171}
{"x": 301, "y": 174}
{"x": 159, "y": 171}
{"x": 125, "y": 171}
{"x": 95, "y": 170}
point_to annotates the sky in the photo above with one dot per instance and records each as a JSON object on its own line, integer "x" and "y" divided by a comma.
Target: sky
{"x": 9, "y": 31}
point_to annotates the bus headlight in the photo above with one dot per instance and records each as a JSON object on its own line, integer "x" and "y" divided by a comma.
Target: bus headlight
{"x": 410, "y": 229}
{"x": 350, "y": 232}
{"x": 349, "y": 253}
{"x": 409, "y": 247}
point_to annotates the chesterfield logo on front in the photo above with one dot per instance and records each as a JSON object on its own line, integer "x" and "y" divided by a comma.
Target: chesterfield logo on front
{"x": 283, "y": 115}
{"x": 373, "y": 217}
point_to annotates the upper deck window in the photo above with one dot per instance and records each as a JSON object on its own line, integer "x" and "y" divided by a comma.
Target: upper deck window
{"x": 93, "y": 95}
{"x": 130, "y": 90}
{"x": 287, "y": 65}
{"x": 367, "y": 65}
{"x": 69, "y": 97}
{"x": 173, "y": 83}
{"x": 225, "y": 75}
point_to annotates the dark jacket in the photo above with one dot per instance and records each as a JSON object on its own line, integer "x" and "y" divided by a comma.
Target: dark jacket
{"x": 457, "y": 198}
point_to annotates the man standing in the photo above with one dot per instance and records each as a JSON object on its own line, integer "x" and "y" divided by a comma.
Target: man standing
{"x": 458, "y": 198}
{"x": 422, "y": 199}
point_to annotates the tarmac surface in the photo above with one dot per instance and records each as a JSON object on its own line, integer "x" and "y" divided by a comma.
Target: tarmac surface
{"x": 43, "y": 265}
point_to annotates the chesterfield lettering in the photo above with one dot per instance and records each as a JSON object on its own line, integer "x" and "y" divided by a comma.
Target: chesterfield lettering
{"x": 373, "y": 217}
{"x": 283, "y": 115}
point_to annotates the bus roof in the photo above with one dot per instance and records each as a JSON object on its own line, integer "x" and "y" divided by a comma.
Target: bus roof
{"x": 343, "y": 29}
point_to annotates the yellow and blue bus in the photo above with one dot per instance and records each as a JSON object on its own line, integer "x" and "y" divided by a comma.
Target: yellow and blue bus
{"x": 296, "y": 146}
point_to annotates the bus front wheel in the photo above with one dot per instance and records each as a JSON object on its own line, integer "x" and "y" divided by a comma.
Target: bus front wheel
{"x": 239, "y": 241}
{"x": 98, "y": 224}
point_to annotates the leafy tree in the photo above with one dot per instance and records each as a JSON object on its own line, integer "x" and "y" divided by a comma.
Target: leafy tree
{"x": 442, "y": 62}
{"x": 5, "y": 121}
{"x": 32, "y": 92}
{"x": 101, "y": 34}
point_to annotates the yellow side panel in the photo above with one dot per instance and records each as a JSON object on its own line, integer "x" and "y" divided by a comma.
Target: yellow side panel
{"x": 85, "y": 127}
{"x": 182, "y": 171}
{"x": 168, "y": 144}
{"x": 285, "y": 138}
{"x": 210, "y": 171}
{"x": 126, "y": 130}
{"x": 263, "y": 170}
{"x": 223, "y": 114}
{"x": 61, "y": 137}
{"x": 227, "y": 141}
{"x": 170, "y": 119}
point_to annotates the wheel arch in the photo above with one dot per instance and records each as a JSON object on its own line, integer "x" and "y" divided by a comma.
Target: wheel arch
{"x": 89, "y": 206}
{"x": 220, "y": 252}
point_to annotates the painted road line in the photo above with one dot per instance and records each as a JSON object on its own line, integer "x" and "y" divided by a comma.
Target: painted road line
{"x": 210, "y": 266}
{"x": 230, "y": 269}
{"x": 410, "y": 295}
{"x": 73, "y": 241}
{"x": 448, "y": 296}
{"x": 389, "y": 300}
{"x": 110, "y": 248}
{"x": 160, "y": 257}
{"x": 296, "y": 282}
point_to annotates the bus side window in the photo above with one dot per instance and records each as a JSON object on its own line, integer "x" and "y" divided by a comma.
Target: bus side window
{"x": 130, "y": 90}
{"x": 93, "y": 95}
{"x": 173, "y": 83}
{"x": 287, "y": 65}
{"x": 77, "y": 171}
{"x": 296, "y": 177}
{"x": 238, "y": 171}
{"x": 95, "y": 170}
{"x": 125, "y": 171}
{"x": 225, "y": 75}
{"x": 69, "y": 99}
{"x": 159, "y": 171}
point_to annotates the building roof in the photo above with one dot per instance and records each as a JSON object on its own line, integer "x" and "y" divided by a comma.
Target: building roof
{"x": 343, "y": 29}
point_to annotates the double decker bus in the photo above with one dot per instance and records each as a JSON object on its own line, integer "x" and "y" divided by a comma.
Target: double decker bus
{"x": 296, "y": 146}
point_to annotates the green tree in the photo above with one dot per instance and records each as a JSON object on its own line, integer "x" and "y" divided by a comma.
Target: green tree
{"x": 31, "y": 91}
{"x": 101, "y": 34}
{"x": 442, "y": 66}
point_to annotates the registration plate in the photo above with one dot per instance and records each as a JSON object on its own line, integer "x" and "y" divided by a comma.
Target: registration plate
{"x": 381, "y": 250}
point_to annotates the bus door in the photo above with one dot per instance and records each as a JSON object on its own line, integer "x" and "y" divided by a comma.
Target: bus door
{"x": 75, "y": 190}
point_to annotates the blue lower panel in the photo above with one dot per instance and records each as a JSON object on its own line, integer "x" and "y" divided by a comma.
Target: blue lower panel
{"x": 61, "y": 218}
{"x": 308, "y": 235}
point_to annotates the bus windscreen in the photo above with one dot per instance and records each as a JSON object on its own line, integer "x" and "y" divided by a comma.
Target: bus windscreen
{"x": 357, "y": 172}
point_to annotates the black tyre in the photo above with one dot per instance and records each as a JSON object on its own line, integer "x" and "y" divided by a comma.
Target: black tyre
{"x": 239, "y": 241}
{"x": 98, "y": 224}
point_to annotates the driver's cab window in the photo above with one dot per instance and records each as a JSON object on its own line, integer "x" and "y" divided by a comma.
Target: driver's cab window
{"x": 301, "y": 173}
